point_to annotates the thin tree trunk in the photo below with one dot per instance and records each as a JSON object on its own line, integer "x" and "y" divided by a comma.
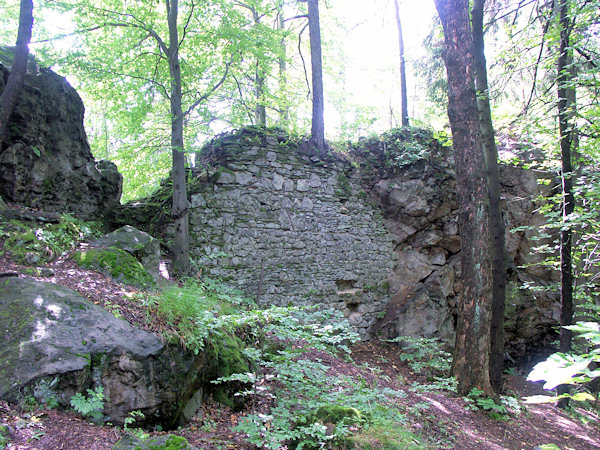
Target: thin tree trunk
{"x": 284, "y": 113}
{"x": 493, "y": 179}
{"x": 566, "y": 106}
{"x": 8, "y": 99}
{"x": 470, "y": 364}
{"x": 181, "y": 242}
{"x": 403, "y": 89}
{"x": 260, "y": 111}
{"x": 318, "y": 119}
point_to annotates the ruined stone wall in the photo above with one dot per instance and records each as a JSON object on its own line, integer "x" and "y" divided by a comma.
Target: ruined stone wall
{"x": 305, "y": 218}
{"x": 374, "y": 234}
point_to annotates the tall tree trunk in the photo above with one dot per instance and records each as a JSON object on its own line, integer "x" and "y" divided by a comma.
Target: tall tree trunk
{"x": 318, "y": 104}
{"x": 566, "y": 108}
{"x": 181, "y": 242}
{"x": 284, "y": 113}
{"x": 403, "y": 89}
{"x": 493, "y": 179}
{"x": 260, "y": 111}
{"x": 8, "y": 99}
{"x": 470, "y": 363}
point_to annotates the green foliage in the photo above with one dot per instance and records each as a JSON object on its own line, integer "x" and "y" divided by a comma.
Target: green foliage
{"x": 476, "y": 400}
{"x": 116, "y": 263}
{"x": 396, "y": 148}
{"x": 37, "y": 243}
{"x": 4, "y": 436}
{"x": 132, "y": 417}
{"x": 311, "y": 408}
{"x": 197, "y": 309}
{"x": 91, "y": 405}
{"x": 560, "y": 368}
{"x": 424, "y": 355}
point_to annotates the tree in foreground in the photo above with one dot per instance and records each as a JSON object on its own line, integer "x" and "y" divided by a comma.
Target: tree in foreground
{"x": 498, "y": 246}
{"x": 470, "y": 364}
{"x": 15, "y": 81}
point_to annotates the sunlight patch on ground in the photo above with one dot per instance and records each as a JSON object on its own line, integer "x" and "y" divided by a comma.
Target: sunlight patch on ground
{"x": 569, "y": 426}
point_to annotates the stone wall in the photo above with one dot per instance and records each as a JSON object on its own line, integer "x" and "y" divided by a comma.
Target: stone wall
{"x": 373, "y": 233}
{"x": 305, "y": 218}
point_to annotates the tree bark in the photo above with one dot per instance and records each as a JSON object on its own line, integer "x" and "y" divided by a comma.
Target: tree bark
{"x": 284, "y": 113}
{"x": 260, "y": 111}
{"x": 497, "y": 231}
{"x": 403, "y": 89}
{"x": 181, "y": 241}
{"x": 15, "y": 81}
{"x": 566, "y": 108}
{"x": 318, "y": 104}
{"x": 470, "y": 364}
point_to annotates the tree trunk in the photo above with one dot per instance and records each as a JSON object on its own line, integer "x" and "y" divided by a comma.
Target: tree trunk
{"x": 403, "y": 89}
{"x": 493, "y": 179}
{"x": 318, "y": 120}
{"x": 260, "y": 111}
{"x": 566, "y": 108}
{"x": 470, "y": 364}
{"x": 181, "y": 241}
{"x": 284, "y": 113}
{"x": 8, "y": 99}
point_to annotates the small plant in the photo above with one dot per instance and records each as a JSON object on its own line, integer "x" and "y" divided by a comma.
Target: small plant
{"x": 423, "y": 355}
{"x": 132, "y": 417}
{"x": 90, "y": 406}
{"x": 477, "y": 401}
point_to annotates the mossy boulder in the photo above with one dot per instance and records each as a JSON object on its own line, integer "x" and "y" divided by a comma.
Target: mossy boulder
{"x": 54, "y": 343}
{"x": 116, "y": 263}
{"x": 335, "y": 414}
{"x": 138, "y": 243}
{"x": 167, "y": 442}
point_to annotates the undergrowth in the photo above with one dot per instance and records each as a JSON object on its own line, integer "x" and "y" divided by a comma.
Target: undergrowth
{"x": 33, "y": 243}
{"x": 291, "y": 397}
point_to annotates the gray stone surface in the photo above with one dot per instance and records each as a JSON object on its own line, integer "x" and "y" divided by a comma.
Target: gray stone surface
{"x": 45, "y": 160}
{"x": 55, "y": 342}
{"x": 138, "y": 243}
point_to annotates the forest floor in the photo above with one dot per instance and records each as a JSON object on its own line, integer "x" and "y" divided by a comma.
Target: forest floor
{"x": 440, "y": 419}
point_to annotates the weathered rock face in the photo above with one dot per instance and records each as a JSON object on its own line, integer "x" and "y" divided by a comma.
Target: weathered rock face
{"x": 45, "y": 161}
{"x": 56, "y": 343}
{"x": 378, "y": 241}
{"x": 420, "y": 211}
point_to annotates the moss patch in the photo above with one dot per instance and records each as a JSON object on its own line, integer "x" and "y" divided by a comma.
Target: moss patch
{"x": 116, "y": 263}
{"x": 227, "y": 353}
{"x": 335, "y": 414}
{"x": 168, "y": 442}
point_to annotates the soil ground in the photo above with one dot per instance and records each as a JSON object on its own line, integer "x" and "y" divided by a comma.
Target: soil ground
{"x": 441, "y": 418}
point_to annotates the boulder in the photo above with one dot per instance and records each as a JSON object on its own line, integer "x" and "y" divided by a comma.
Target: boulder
{"x": 115, "y": 263}
{"x": 55, "y": 343}
{"x": 45, "y": 159}
{"x": 138, "y": 243}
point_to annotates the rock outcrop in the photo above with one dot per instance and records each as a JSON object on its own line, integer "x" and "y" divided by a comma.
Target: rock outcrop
{"x": 45, "y": 160}
{"x": 54, "y": 343}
